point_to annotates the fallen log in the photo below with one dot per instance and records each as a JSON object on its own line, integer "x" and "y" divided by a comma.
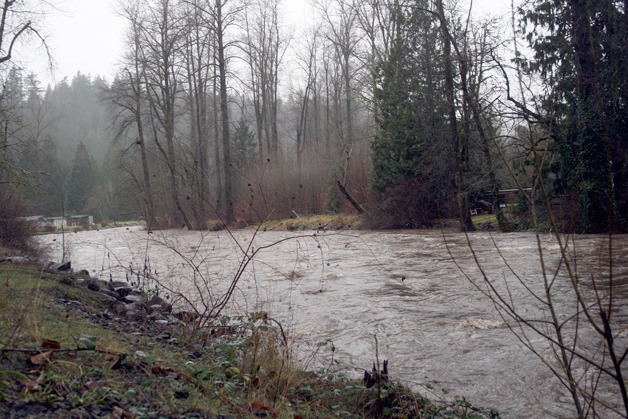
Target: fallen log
{"x": 351, "y": 199}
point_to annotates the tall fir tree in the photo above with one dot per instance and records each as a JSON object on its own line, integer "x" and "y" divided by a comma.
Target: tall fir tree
{"x": 411, "y": 148}
{"x": 82, "y": 180}
{"x": 580, "y": 50}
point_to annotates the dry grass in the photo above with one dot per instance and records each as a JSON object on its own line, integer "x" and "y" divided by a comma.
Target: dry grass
{"x": 117, "y": 368}
{"x": 315, "y": 222}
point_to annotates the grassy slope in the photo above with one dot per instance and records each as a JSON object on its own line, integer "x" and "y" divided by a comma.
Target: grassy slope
{"x": 315, "y": 222}
{"x": 61, "y": 356}
{"x": 353, "y": 222}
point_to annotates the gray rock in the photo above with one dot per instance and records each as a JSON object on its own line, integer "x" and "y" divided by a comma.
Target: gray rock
{"x": 82, "y": 274}
{"x": 109, "y": 293}
{"x": 18, "y": 260}
{"x": 59, "y": 267}
{"x": 155, "y": 299}
{"x": 141, "y": 354}
{"x": 117, "y": 284}
{"x": 135, "y": 298}
{"x": 118, "y": 308}
{"x": 153, "y": 308}
{"x": 156, "y": 303}
{"x": 109, "y": 298}
{"x": 123, "y": 291}
{"x": 157, "y": 317}
{"x": 173, "y": 320}
{"x": 93, "y": 285}
{"x": 135, "y": 315}
{"x": 64, "y": 267}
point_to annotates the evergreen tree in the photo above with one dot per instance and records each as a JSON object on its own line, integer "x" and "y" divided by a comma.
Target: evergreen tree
{"x": 244, "y": 145}
{"x": 82, "y": 180}
{"x": 580, "y": 48}
{"x": 52, "y": 182}
{"x": 11, "y": 94}
{"x": 409, "y": 152}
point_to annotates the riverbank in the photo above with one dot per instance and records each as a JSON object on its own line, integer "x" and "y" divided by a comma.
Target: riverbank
{"x": 320, "y": 222}
{"x": 331, "y": 222}
{"x": 66, "y": 353}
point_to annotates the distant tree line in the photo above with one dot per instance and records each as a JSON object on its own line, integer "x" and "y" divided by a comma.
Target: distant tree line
{"x": 411, "y": 107}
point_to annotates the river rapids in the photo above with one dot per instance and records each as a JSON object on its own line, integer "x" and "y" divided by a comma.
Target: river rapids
{"x": 416, "y": 298}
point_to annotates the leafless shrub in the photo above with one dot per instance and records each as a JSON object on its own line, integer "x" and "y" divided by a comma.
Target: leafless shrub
{"x": 15, "y": 231}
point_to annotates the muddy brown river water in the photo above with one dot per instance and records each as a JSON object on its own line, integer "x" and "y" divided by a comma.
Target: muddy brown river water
{"x": 410, "y": 291}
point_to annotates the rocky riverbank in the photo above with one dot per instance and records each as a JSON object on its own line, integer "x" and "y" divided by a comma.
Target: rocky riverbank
{"x": 77, "y": 346}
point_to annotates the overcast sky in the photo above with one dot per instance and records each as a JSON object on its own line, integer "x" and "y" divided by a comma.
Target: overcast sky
{"x": 87, "y": 35}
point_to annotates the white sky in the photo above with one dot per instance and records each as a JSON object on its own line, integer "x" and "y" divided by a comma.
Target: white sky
{"x": 83, "y": 35}
{"x": 87, "y": 35}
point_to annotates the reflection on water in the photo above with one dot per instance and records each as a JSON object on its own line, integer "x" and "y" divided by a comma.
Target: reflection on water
{"x": 441, "y": 335}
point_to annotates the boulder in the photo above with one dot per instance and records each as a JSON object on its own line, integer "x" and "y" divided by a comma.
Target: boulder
{"x": 64, "y": 267}
{"x": 155, "y": 299}
{"x": 134, "y": 298}
{"x": 18, "y": 260}
{"x": 118, "y": 284}
{"x": 157, "y": 317}
{"x": 156, "y": 303}
{"x": 96, "y": 285}
{"x": 123, "y": 291}
{"x": 58, "y": 267}
{"x": 118, "y": 308}
{"x": 153, "y": 308}
{"x": 82, "y": 274}
{"x": 108, "y": 298}
{"x": 135, "y": 315}
{"x": 110, "y": 293}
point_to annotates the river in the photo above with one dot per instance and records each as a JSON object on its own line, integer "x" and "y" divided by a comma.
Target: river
{"x": 412, "y": 292}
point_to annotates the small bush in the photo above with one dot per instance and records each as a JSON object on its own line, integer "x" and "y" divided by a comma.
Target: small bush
{"x": 15, "y": 231}
{"x": 410, "y": 204}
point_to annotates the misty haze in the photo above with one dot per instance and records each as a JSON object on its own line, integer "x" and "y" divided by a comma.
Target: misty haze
{"x": 404, "y": 180}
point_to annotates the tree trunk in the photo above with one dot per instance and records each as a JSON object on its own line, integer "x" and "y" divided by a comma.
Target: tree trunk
{"x": 350, "y": 198}
{"x": 596, "y": 194}
{"x": 148, "y": 193}
{"x": 464, "y": 215}
{"x": 473, "y": 103}
{"x": 224, "y": 115}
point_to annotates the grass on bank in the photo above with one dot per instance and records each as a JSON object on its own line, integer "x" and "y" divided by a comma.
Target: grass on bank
{"x": 63, "y": 353}
{"x": 315, "y": 222}
{"x": 486, "y": 222}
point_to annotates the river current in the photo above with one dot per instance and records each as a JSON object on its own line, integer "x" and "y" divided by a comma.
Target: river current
{"x": 412, "y": 297}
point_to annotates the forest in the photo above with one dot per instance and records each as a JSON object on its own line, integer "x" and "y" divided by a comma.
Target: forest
{"x": 407, "y": 111}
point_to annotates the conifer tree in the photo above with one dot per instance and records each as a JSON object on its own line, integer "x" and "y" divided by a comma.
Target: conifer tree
{"x": 82, "y": 180}
{"x": 580, "y": 50}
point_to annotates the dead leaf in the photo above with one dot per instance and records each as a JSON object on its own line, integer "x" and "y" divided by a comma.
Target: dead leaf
{"x": 30, "y": 386}
{"x": 33, "y": 386}
{"x": 161, "y": 371}
{"x": 118, "y": 413}
{"x": 90, "y": 385}
{"x": 114, "y": 361}
{"x": 50, "y": 344}
{"x": 259, "y": 407}
{"x": 41, "y": 358}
